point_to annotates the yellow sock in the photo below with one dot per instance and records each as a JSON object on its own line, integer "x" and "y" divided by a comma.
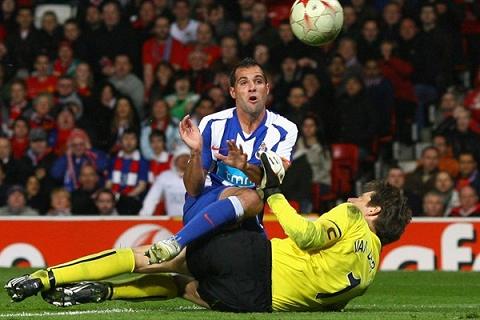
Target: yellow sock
{"x": 145, "y": 286}
{"x": 93, "y": 267}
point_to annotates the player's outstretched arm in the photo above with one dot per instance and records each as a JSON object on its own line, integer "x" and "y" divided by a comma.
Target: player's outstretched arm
{"x": 306, "y": 234}
{"x": 194, "y": 177}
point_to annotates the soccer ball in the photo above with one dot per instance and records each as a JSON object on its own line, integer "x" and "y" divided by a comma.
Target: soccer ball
{"x": 316, "y": 22}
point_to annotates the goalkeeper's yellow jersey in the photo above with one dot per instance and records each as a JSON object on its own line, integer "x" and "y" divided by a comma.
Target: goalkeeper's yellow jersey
{"x": 322, "y": 264}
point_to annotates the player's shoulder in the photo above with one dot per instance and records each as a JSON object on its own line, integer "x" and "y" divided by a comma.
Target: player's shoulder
{"x": 220, "y": 115}
{"x": 346, "y": 211}
{"x": 278, "y": 120}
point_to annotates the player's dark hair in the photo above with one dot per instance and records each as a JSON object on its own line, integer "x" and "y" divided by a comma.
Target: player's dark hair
{"x": 245, "y": 63}
{"x": 394, "y": 214}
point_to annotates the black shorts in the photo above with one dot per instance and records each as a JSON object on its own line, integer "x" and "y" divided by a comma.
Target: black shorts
{"x": 233, "y": 269}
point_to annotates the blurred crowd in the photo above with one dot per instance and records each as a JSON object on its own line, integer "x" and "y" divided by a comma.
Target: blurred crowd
{"x": 90, "y": 102}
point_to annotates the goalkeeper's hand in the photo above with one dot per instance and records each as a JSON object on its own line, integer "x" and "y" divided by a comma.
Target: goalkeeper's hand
{"x": 273, "y": 173}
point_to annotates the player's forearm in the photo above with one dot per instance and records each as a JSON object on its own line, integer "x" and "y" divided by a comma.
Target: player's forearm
{"x": 194, "y": 176}
{"x": 254, "y": 173}
{"x": 302, "y": 231}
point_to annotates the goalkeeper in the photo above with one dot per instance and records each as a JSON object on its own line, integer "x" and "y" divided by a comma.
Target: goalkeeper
{"x": 322, "y": 265}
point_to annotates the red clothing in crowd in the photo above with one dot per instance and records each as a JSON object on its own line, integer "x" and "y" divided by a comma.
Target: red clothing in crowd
{"x": 398, "y": 71}
{"x": 84, "y": 91}
{"x": 213, "y": 53}
{"x": 472, "y": 212}
{"x": 153, "y": 53}
{"x": 35, "y": 86}
{"x": 19, "y": 147}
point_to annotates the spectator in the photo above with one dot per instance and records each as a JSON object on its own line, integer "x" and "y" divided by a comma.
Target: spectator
{"x": 422, "y": 179}
{"x": 336, "y": 70}
{"x": 357, "y": 118}
{"x": 351, "y": 28}
{"x": 263, "y": 32}
{"x": 289, "y": 76}
{"x": 347, "y": 49}
{"x": 288, "y": 45}
{"x": 205, "y": 43}
{"x": 469, "y": 205}
{"x": 369, "y": 42}
{"x": 144, "y": 20}
{"x": 445, "y": 185}
{"x": 229, "y": 54}
{"x": 204, "y": 107}
{"x": 17, "y": 104}
{"x": 261, "y": 54}
{"x": 41, "y": 81}
{"x": 219, "y": 97}
{"x": 74, "y": 36}
{"x": 101, "y": 115}
{"x": 380, "y": 92}
{"x": 64, "y": 126}
{"x": 60, "y": 203}
{"x": 396, "y": 178}
{"x": 36, "y": 197}
{"x": 364, "y": 10}
{"x": 83, "y": 80}
{"x": 184, "y": 29}
{"x": 159, "y": 120}
{"x": 222, "y": 24}
{"x": 83, "y": 198}
{"x": 200, "y": 74}
{"x": 40, "y": 115}
{"x": 124, "y": 117}
{"x": 245, "y": 39}
{"x": 3, "y": 186}
{"x": 127, "y": 83}
{"x": 468, "y": 171}
{"x": 92, "y": 21}
{"x": 105, "y": 203}
{"x": 7, "y": 17}
{"x": 318, "y": 154}
{"x": 66, "y": 63}
{"x": 161, "y": 47}
{"x": 391, "y": 16}
{"x": 446, "y": 160}
{"x": 108, "y": 41}
{"x": 168, "y": 187}
{"x": 19, "y": 139}
{"x": 15, "y": 173}
{"x": 161, "y": 159}
{"x": 398, "y": 71}
{"x": 433, "y": 205}
{"x": 50, "y": 33}
{"x": 128, "y": 175}
{"x": 296, "y": 108}
{"x": 183, "y": 99}
{"x": 444, "y": 120}
{"x": 66, "y": 168}
{"x": 462, "y": 138}
{"x": 66, "y": 94}
{"x": 163, "y": 83}
{"x": 24, "y": 42}
{"x": 39, "y": 159}
{"x": 17, "y": 203}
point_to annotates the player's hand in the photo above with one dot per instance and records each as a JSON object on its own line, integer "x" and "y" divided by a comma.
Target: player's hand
{"x": 235, "y": 158}
{"x": 190, "y": 134}
{"x": 273, "y": 173}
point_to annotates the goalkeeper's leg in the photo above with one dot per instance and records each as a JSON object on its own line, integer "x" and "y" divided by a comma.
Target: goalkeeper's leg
{"x": 94, "y": 267}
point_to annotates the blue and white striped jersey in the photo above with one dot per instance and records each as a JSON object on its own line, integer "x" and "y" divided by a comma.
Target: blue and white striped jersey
{"x": 275, "y": 133}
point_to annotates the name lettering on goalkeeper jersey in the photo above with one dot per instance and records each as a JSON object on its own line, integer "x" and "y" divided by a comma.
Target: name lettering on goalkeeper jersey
{"x": 360, "y": 246}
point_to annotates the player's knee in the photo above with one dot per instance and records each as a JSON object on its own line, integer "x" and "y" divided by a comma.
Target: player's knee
{"x": 251, "y": 202}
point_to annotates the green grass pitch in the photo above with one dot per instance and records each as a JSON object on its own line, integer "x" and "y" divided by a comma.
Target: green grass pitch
{"x": 393, "y": 295}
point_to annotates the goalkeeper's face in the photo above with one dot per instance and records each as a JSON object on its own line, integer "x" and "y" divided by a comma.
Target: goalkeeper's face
{"x": 250, "y": 90}
{"x": 363, "y": 204}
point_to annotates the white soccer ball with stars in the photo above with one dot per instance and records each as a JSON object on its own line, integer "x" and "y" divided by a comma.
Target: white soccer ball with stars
{"x": 316, "y": 22}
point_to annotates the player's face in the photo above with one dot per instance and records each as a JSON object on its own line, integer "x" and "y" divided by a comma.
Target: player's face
{"x": 362, "y": 203}
{"x": 250, "y": 90}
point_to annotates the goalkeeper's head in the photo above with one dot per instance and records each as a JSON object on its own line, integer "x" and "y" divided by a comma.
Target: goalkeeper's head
{"x": 386, "y": 210}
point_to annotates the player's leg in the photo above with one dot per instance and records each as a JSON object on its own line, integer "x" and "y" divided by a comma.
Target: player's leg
{"x": 94, "y": 267}
{"x": 231, "y": 204}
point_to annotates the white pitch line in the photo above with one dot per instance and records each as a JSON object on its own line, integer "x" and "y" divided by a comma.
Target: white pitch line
{"x": 69, "y": 313}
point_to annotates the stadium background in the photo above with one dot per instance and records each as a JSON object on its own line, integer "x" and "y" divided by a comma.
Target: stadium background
{"x": 401, "y": 77}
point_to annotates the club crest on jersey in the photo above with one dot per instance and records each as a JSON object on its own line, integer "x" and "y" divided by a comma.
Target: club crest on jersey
{"x": 261, "y": 149}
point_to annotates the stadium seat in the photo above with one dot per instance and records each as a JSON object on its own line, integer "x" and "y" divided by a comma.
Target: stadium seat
{"x": 63, "y": 12}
